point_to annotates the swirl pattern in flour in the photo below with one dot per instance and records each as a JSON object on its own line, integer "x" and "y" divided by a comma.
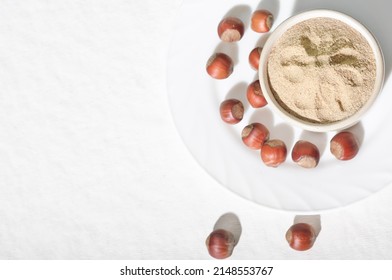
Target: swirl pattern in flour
{"x": 322, "y": 70}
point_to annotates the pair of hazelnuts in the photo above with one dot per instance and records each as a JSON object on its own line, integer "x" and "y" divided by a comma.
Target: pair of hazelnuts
{"x": 220, "y": 243}
{"x": 231, "y": 29}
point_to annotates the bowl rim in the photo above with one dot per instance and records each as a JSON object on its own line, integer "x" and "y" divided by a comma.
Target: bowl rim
{"x": 282, "y": 28}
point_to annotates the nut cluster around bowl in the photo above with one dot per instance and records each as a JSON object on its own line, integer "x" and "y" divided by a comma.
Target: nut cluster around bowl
{"x": 344, "y": 145}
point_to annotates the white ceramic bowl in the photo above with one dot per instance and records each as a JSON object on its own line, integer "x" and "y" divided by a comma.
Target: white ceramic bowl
{"x": 278, "y": 32}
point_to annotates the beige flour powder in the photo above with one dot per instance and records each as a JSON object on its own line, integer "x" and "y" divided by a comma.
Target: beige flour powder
{"x": 322, "y": 70}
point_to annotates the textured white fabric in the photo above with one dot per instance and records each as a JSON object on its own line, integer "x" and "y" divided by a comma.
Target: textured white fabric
{"x": 91, "y": 165}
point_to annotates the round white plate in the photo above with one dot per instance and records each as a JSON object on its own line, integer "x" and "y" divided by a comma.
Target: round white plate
{"x": 195, "y": 97}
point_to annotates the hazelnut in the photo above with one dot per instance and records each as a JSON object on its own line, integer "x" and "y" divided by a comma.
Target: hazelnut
{"x": 220, "y": 66}
{"x": 261, "y": 21}
{"x": 220, "y": 244}
{"x": 254, "y": 135}
{"x": 305, "y": 154}
{"x": 301, "y": 236}
{"x": 344, "y": 145}
{"x": 254, "y": 57}
{"x": 273, "y": 152}
{"x": 231, "y": 29}
{"x": 231, "y": 111}
{"x": 255, "y": 95}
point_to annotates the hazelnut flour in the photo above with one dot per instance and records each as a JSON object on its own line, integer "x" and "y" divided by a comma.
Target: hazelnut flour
{"x": 322, "y": 70}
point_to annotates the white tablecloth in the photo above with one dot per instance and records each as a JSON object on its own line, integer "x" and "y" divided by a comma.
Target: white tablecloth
{"x": 91, "y": 164}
